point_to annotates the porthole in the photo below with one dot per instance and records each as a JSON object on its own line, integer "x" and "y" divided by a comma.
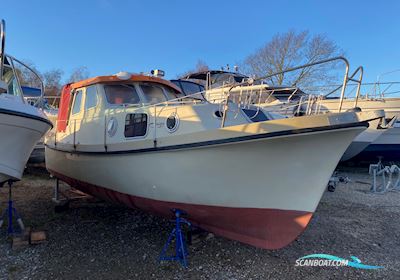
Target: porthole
{"x": 172, "y": 123}
{"x": 112, "y": 127}
{"x": 218, "y": 114}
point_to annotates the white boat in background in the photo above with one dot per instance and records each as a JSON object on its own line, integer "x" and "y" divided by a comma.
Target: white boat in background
{"x": 21, "y": 125}
{"x": 219, "y": 86}
{"x": 387, "y": 144}
{"x": 138, "y": 140}
{"x": 33, "y": 96}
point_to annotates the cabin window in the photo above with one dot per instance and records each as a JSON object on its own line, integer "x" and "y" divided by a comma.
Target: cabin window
{"x": 135, "y": 125}
{"x": 172, "y": 123}
{"x": 191, "y": 88}
{"x": 77, "y": 102}
{"x": 11, "y": 81}
{"x": 172, "y": 94}
{"x": 221, "y": 79}
{"x": 91, "y": 97}
{"x": 121, "y": 94}
{"x": 177, "y": 83}
{"x": 255, "y": 115}
{"x": 153, "y": 93}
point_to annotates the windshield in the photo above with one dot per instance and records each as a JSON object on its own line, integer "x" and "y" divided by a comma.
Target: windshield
{"x": 221, "y": 79}
{"x": 190, "y": 88}
{"x": 153, "y": 93}
{"x": 121, "y": 94}
{"x": 11, "y": 81}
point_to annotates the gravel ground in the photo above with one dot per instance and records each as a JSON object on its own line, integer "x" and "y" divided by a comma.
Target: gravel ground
{"x": 99, "y": 240}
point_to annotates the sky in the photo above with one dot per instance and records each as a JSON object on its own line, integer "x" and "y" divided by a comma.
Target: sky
{"x": 108, "y": 36}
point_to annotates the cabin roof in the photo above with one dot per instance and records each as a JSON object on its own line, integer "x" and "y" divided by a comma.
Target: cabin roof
{"x": 202, "y": 75}
{"x": 115, "y": 79}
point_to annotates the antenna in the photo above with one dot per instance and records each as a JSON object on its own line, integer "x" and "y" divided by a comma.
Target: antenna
{"x": 2, "y": 51}
{"x": 3, "y": 85}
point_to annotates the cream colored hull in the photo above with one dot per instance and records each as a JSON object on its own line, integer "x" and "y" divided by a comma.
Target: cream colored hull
{"x": 256, "y": 182}
{"x": 261, "y": 192}
{"x": 365, "y": 138}
{"x": 288, "y": 173}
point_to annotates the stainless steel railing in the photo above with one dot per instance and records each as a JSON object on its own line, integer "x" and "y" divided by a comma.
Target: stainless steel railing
{"x": 12, "y": 61}
{"x": 244, "y": 99}
{"x": 346, "y": 78}
{"x": 155, "y": 109}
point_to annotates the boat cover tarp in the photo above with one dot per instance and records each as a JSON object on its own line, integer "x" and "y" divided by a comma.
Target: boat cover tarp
{"x": 64, "y": 108}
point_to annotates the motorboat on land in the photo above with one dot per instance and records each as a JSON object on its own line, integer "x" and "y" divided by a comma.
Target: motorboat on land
{"x": 33, "y": 96}
{"x": 219, "y": 86}
{"x": 140, "y": 141}
{"x": 387, "y": 145}
{"x": 21, "y": 125}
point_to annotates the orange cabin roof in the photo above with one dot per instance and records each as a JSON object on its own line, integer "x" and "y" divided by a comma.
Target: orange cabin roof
{"x": 116, "y": 79}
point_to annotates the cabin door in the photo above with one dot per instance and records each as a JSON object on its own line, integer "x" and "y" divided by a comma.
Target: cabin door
{"x": 76, "y": 115}
{"x": 93, "y": 125}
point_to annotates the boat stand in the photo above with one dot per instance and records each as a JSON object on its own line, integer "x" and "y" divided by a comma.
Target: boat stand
{"x": 180, "y": 245}
{"x": 335, "y": 180}
{"x": 9, "y": 213}
{"x": 62, "y": 199}
{"x": 389, "y": 178}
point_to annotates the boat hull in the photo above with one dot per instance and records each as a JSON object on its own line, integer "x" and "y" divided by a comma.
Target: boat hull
{"x": 385, "y": 147}
{"x": 262, "y": 192}
{"x": 364, "y": 139}
{"x": 19, "y": 134}
{"x": 361, "y": 142}
{"x": 37, "y": 155}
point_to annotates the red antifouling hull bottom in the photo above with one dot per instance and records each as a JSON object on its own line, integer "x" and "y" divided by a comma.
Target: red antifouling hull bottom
{"x": 264, "y": 228}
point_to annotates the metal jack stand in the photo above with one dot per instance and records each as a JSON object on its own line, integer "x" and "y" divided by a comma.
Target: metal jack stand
{"x": 10, "y": 212}
{"x": 335, "y": 180}
{"x": 180, "y": 246}
{"x": 63, "y": 198}
{"x": 390, "y": 178}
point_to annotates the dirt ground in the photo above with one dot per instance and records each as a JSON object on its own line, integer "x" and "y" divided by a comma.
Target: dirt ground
{"x": 99, "y": 240}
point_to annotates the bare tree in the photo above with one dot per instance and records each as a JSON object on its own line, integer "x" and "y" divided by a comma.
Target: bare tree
{"x": 52, "y": 85}
{"x": 292, "y": 49}
{"x": 78, "y": 74}
{"x": 200, "y": 67}
{"x": 52, "y": 82}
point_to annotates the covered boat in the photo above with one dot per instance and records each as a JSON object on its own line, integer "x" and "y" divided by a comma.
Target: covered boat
{"x": 139, "y": 141}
